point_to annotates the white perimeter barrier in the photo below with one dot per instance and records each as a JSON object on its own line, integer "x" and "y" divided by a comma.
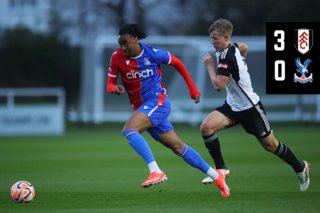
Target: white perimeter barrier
{"x": 32, "y": 119}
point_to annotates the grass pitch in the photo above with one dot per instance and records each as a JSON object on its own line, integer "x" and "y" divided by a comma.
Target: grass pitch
{"x": 94, "y": 169}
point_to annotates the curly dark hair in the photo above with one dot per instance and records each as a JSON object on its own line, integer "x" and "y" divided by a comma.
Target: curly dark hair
{"x": 133, "y": 30}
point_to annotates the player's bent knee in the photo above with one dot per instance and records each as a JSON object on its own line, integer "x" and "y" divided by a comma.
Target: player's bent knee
{"x": 269, "y": 148}
{"x": 207, "y": 130}
{"x": 270, "y": 144}
{"x": 174, "y": 145}
{"x": 177, "y": 149}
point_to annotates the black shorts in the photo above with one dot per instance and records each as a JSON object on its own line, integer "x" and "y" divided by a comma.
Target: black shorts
{"x": 253, "y": 120}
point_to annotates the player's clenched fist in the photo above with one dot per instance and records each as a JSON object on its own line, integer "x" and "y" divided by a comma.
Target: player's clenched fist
{"x": 196, "y": 99}
{"x": 207, "y": 60}
{"x": 119, "y": 90}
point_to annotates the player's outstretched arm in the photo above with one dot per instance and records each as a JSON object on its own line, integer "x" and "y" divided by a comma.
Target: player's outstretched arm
{"x": 218, "y": 81}
{"x": 179, "y": 66}
{"x": 243, "y": 47}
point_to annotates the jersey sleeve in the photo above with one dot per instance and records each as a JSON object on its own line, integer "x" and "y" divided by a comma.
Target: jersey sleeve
{"x": 224, "y": 67}
{"x": 179, "y": 66}
{"x": 113, "y": 74}
{"x": 161, "y": 56}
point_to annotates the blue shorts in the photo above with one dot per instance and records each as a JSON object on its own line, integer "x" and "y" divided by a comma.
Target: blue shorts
{"x": 158, "y": 116}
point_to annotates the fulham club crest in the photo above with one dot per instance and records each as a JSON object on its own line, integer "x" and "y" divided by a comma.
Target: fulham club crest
{"x": 303, "y": 40}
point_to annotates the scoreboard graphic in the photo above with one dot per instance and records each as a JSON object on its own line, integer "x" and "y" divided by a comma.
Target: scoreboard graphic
{"x": 292, "y": 61}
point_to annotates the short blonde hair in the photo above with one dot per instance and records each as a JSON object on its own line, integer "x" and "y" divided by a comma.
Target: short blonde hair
{"x": 223, "y": 26}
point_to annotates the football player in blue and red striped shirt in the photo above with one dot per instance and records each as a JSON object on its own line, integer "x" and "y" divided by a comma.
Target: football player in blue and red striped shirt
{"x": 139, "y": 67}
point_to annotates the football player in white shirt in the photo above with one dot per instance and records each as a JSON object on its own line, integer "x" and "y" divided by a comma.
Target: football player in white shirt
{"x": 242, "y": 105}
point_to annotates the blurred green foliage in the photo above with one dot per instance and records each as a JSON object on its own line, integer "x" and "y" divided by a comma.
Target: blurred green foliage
{"x": 32, "y": 59}
{"x": 249, "y": 17}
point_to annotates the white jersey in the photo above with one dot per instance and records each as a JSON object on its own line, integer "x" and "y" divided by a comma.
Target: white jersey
{"x": 240, "y": 95}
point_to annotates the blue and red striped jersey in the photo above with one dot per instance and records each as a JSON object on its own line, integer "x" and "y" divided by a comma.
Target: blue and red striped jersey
{"x": 140, "y": 75}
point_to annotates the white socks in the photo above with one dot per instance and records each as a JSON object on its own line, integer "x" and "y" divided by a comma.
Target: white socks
{"x": 212, "y": 173}
{"x": 153, "y": 166}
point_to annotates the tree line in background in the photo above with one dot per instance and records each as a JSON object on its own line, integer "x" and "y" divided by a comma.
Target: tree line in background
{"x": 30, "y": 59}
{"x": 249, "y": 17}
{"x": 187, "y": 17}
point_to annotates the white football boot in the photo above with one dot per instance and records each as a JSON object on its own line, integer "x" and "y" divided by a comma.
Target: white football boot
{"x": 208, "y": 180}
{"x": 304, "y": 177}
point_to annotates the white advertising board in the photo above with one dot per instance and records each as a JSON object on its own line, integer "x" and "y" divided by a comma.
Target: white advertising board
{"x": 31, "y": 120}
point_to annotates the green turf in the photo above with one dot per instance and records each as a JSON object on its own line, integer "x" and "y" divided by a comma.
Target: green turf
{"x": 93, "y": 169}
